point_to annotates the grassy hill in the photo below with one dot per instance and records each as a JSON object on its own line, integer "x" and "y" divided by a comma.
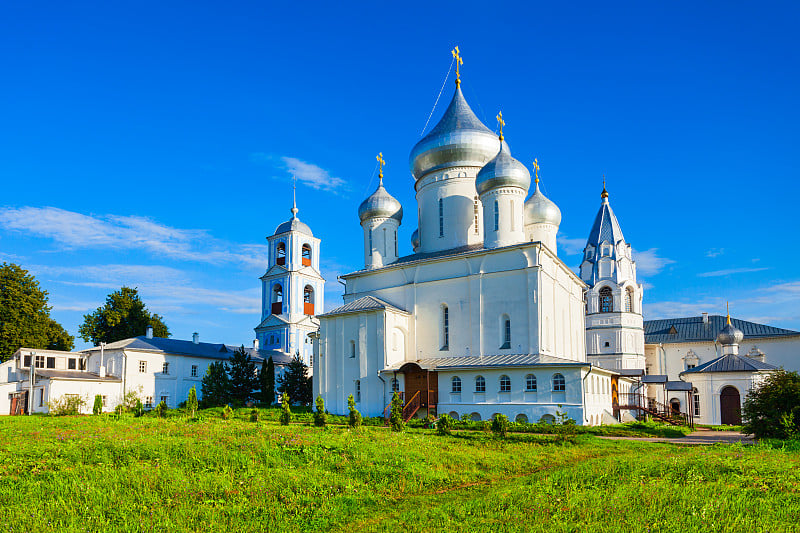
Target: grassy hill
{"x": 94, "y": 473}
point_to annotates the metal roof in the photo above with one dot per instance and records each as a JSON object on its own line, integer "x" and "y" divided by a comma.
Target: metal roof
{"x": 73, "y": 375}
{"x": 654, "y": 378}
{"x": 731, "y": 363}
{"x": 606, "y": 228}
{"x": 201, "y": 349}
{"x": 679, "y": 386}
{"x": 365, "y": 303}
{"x": 488, "y": 361}
{"x": 693, "y": 329}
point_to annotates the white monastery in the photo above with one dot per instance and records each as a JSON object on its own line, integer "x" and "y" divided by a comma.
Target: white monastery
{"x": 483, "y": 317}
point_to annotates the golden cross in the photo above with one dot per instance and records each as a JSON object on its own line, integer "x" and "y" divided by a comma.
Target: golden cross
{"x": 501, "y": 123}
{"x": 381, "y": 162}
{"x": 457, "y": 56}
{"x": 536, "y": 169}
{"x": 604, "y": 194}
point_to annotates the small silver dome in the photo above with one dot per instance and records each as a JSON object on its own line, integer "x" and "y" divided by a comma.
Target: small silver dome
{"x": 539, "y": 209}
{"x": 293, "y": 224}
{"x": 415, "y": 240}
{"x": 459, "y": 140}
{"x": 502, "y": 171}
{"x": 380, "y": 204}
{"x": 730, "y": 334}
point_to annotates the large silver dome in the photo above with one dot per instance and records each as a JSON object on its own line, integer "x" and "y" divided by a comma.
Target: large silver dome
{"x": 459, "y": 139}
{"x": 380, "y": 204}
{"x": 730, "y": 334}
{"x": 502, "y": 171}
{"x": 539, "y": 209}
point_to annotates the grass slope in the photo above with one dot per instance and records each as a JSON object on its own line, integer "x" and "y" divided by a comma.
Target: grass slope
{"x": 98, "y": 473}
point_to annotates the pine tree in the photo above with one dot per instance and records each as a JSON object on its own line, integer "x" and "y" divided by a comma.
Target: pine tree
{"x": 123, "y": 316}
{"x": 354, "y": 421}
{"x": 25, "y": 316}
{"x": 320, "y": 417}
{"x": 286, "y": 410}
{"x": 267, "y": 382}
{"x": 191, "y": 402}
{"x": 243, "y": 376}
{"x": 296, "y": 382}
{"x": 216, "y": 385}
{"x": 97, "y": 408}
{"x": 396, "y": 416}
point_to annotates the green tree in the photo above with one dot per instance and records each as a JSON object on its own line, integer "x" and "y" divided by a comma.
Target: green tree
{"x": 354, "y": 420}
{"x": 97, "y": 408}
{"x": 216, "y": 385}
{"x": 266, "y": 380}
{"x": 320, "y": 417}
{"x": 500, "y": 425}
{"x": 396, "y": 415}
{"x": 122, "y": 317}
{"x": 191, "y": 402}
{"x": 243, "y": 376}
{"x": 25, "y": 316}
{"x": 772, "y": 410}
{"x": 296, "y": 382}
{"x": 286, "y": 410}
{"x": 445, "y": 424}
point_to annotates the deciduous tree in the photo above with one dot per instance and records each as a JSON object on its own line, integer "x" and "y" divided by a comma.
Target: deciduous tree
{"x": 772, "y": 409}
{"x": 123, "y": 316}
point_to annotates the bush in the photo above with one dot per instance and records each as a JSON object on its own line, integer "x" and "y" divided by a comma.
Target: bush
{"x": 354, "y": 421}
{"x": 320, "y": 417}
{"x": 773, "y": 409}
{"x": 191, "y": 402}
{"x": 227, "y": 412}
{"x": 286, "y": 410}
{"x": 500, "y": 425}
{"x": 131, "y": 397}
{"x": 69, "y": 404}
{"x": 445, "y": 424}
{"x": 161, "y": 409}
{"x": 254, "y": 415}
{"x": 138, "y": 408}
{"x": 396, "y": 416}
{"x": 97, "y": 408}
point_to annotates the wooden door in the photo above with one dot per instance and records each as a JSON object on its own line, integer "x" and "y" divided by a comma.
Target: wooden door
{"x": 615, "y": 391}
{"x": 730, "y": 406}
{"x": 415, "y": 382}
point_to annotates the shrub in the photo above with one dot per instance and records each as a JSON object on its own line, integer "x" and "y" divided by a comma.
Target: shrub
{"x": 354, "y": 421}
{"x": 254, "y": 415}
{"x": 227, "y": 412}
{"x": 138, "y": 408}
{"x": 286, "y": 410}
{"x": 97, "y": 408}
{"x": 320, "y": 417}
{"x": 500, "y": 425}
{"x": 161, "y": 409}
{"x": 131, "y": 397}
{"x": 772, "y": 410}
{"x": 68, "y": 404}
{"x": 191, "y": 402}
{"x": 444, "y": 424}
{"x": 396, "y": 416}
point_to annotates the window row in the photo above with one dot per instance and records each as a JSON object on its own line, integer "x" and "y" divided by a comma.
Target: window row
{"x": 277, "y": 300}
{"x": 165, "y": 369}
{"x": 557, "y": 382}
{"x": 607, "y": 300}
{"x": 280, "y": 254}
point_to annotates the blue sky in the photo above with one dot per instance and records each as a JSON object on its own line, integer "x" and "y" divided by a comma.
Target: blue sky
{"x": 152, "y": 143}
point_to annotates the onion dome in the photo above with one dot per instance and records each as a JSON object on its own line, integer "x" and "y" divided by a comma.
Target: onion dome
{"x": 502, "y": 171}
{"x": 459, "y": 140}
{"x": 539, "y": 209}
{"x": 380, "y": 204}
{"x": 294, "y": 224}
{"x": 415, "y": 239}
{"x": 730, "y": 334}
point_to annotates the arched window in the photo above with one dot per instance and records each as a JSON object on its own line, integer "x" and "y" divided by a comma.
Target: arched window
{"x": 455, "y": 385}
{"x": 629, "y": 300}
{"x": 480, "y": 384}
{"x": 395, "y": 385}
{"x": 352, "y": 349}
{"x": 530, "y": 383}
{"x": 277, "y": 299}
{"x": 606, "y": 300}
{"x": 496, "y": 216}
{"x": 559, "y": 385}
{"x": 281, "y": 254}
{"x": 696, "y": 401}
{"x": 308, "y": 300}
{"x": 505, "y": 384}
{"x": 505, "y": 324}
{"x": 370, "y": 242}
{"x": 358, "y": 390}
{"x": 306, "y": 251}
{"x": 445, "y": 328}
{"x": 521, "y": 419}
{"x": 441, "y": 217}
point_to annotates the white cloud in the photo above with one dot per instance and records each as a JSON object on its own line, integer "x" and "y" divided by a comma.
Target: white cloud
{"x": 714, "y": 252}
{"x": 570, "y": 246}
{"x": 306, "y": 173}
{"x": 729, "y": 271}
{"x": 649, "y": 263}
{"x": 73, "y": 230}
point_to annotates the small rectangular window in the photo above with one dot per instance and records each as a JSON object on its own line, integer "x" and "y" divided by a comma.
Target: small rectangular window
{"x": 105, "y": 400}
{"x": 165, "y": 399}
{"x": 148, "y": 402}
{"x": 72, "y": 364}
{"x": 441, "y": 218}
{"x": 496, "y": 216}
{"x": 142, "y": 367}
{"x": 51, "y": 362}
{"x": 165, "y": 368}
{"x": 41, "y": 397}
{"x": 39, "y": 362}
{"x": 27, "y": 361}
{"x": 194, "y": 371}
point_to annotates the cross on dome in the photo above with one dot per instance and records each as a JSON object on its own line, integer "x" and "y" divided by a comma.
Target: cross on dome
{"x": 501, "y": 123}
{"x": 457, "y": 56}
{"x": 381, "y": 162}
{"x": 536, "y": 169}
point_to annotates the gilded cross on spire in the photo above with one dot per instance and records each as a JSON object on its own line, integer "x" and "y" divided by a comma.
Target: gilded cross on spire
{"x": 501, "y": 123}
{"x": 381, "y": 162}
{"x": 294, "y": 196}
{"x": 604, "y": 194}
{"x": 728, "y": 309}
{"x": 459, "y": 62}
{"x": 536, "y": 169}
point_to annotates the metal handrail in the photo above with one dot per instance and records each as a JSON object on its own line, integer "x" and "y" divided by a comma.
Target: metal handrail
{"x": 411, "y": 407}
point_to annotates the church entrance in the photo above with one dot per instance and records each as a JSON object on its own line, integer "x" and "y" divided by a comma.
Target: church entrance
{"x": 730, "y": 406}
{"x": 421, "y": 387}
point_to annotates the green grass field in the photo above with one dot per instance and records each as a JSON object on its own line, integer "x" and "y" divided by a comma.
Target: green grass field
{"x": 98, "y": 473}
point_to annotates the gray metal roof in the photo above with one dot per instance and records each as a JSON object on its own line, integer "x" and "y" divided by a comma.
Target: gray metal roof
{"x": 365, "y": 303}
{"x": 293, "y": 224}
{"x": 692, "y": 329}
{"x": 201, "y": 349}
{"x": 654, "y": 378}
{"x": 606, "y": 228}
{"x": 731, "y": 363}
{"x": 73, "y": 375}
{"x": 489, "y": 361}
{"x": 679, "y": 386}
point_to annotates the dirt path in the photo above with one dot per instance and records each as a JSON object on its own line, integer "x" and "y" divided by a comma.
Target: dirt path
{"x": 699, "y": 437}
